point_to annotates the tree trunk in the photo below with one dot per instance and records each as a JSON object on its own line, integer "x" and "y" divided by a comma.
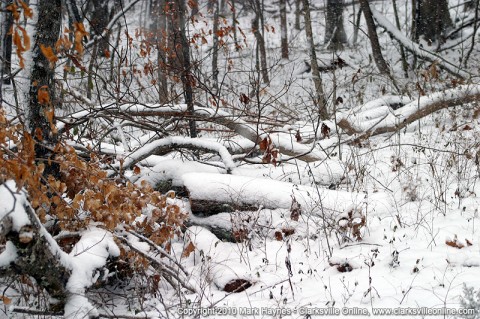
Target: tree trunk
{"x": 43, "y": 99}
{"x": 99, "y": 22}
{"x": 298, "y": 14}
{"x": 283, "y": 27}
{"x": 335, "y": 36}
{"x": 6, "y": 45}
{"x": 372, "y": 34}
{"x": 215, "y": 45}
{"x": 158, "y": 28}
{"x": 183, "y": 57}
{"x": 432, "y": 20}
{"x": 320, "y": 101}
{"x": 260, "y": 41}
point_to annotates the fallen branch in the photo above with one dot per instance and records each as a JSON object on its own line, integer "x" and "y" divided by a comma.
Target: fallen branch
{"x": 415, "y": 48}
{"x": 385, "y": 120}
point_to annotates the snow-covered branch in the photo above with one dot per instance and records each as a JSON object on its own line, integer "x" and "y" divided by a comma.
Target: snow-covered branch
{"x": 383, "y": 119}
{"x": 415, "y": 48}
{"x": 165, "y": 145}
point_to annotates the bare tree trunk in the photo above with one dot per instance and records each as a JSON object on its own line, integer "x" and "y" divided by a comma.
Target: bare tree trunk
{"x": 43, "y": 100}
{"x": 402, "y": 49}
{"x": 3, "y": 34}
{"x": 320, "y": 101}
{"x": 283, "y": 27}
{"x": 99, "y": 22}
{"x": 298, "y": 14}
{"x": 6, "y": 45}
{"x": 335, "y": 36}
{"x": 215, "y": 45}
{"x": 180, "y": 37}
{"x": 432, "y": 19}
{"x": 158, "y": 29}
{"x": 372, "y": 34}
{"x": 260, "y": 41}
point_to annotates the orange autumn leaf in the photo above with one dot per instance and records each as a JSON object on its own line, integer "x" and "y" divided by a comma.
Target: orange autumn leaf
{"x": 6, "y": 300}
{"x": 27, "y": 11}
{"x": 48, "y": 53}
{"x": 43, "y": 96}
{"x": 79, "y": 34}
{"x": 188, "y": 250}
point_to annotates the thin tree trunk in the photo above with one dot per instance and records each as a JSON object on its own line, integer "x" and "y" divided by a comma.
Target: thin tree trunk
{"x": 7, "y": 24}
{"x": 186, "y": 74}
{"x": 320, "y": 101}
{"x": 402, "y": 49}
{"x": 43, "y": 99}
{"x": 283, "y": 27}
{"x": 99, "y": 22}
{"x": 215, "y": 45}
{"x": 3, "y": 33}
{"x": 260, "y": 41}
{"x": 335, "y": 35}
{"x": 372, "y": 34}
{"x": 298, "y": 11}
{"x": 158, "y": 28}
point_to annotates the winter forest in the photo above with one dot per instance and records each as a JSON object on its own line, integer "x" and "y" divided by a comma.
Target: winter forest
{"x": 239, "y": 158}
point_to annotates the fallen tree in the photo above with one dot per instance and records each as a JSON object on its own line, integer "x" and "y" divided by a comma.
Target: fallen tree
{"x": 363, "y": 123}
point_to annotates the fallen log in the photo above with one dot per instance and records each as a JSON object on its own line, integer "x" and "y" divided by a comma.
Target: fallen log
{"x": 369, "y": 122}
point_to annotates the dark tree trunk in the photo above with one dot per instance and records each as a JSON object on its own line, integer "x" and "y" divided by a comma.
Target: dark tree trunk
{"x": 99, "y": 23}
{"x": 158, "y": 31}
{"x": 372, "y": 34}
{"x": 432, "y": 19}
{"x": 320, "y": 101}
{"x": 298, "y": 13}
{"x": 215, "y": 45}
{"x": 283, "y": 27}
{"x": 335, "y": 36}
{"x": 260, "y": 40}
{"x": 6, "y": 46}
{"x": 182, "y": 52}
{"x": 43, "y": 99}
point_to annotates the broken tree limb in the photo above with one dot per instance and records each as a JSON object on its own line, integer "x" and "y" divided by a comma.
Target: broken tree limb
{"x": 165, "y": 145}
{"x": 415, "y": 48}
{"x": 284, "y": 142}
{"x": 384, "y": 119}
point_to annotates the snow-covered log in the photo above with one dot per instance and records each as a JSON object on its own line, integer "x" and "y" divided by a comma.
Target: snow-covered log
{"x": 165, "y": 145}
{"x": 225, "y": 269}
{"x": 207, "y": 191}
{"x": 415, "y": 48}
{"x": 383, "y": 119}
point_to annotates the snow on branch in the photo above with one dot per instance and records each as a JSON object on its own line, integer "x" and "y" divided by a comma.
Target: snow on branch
{"x": 383, "y": 119}
{"x": 284, "y": 142}
{"x": 165, "y": 145}
{"x": 415, "y": 48}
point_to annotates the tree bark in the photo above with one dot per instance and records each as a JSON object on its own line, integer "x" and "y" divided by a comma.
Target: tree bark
{"x": 432, "y": 19}
{"x": 320, "y": 101}
{"x": 335, "y": 36}
{"x": 158, "y": 29}
{"x": 260, "y": 41}
{"x": 372, "y": 34}
{"x": 43, "y": 100}
{"x": 284, "y": 29}
{"x": 99, "y": 22}
{"x": 6, "y": 43}
{"x": 215, "y": 45}
{"x": 178, "y": 11}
